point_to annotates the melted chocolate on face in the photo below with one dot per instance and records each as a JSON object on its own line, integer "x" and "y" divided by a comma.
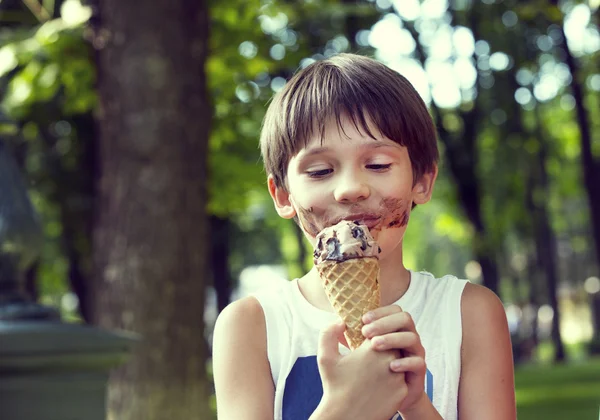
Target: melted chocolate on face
{"x": 312, "y": 220}
{"x": 396, "y": 211}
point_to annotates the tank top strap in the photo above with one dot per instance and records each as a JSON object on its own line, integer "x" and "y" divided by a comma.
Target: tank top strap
{"x": 275, "y": 304}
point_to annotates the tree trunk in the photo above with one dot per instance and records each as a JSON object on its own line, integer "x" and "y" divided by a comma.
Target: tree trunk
{"x": 78, "y": 245}
{"x": 589, "y": 162}
{"x": 219, "y": 229}
{"x": 461, "y": 156}
{"x": 352, "y": 26}
{"x": 151, "y": 232}
{"x": 73, "y": 193}
{"x": 545, "y": 239}
{"x": 31, "y": 281}
{"x": 533, "y": 273}
{"x": 595, "y": 309}
{"x": 548, "y": 255}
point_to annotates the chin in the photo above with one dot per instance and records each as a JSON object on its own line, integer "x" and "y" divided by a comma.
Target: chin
{"x": 389, "y": 241}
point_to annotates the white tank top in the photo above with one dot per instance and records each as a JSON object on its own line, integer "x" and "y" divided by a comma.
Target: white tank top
{"x": 293, "y": 327}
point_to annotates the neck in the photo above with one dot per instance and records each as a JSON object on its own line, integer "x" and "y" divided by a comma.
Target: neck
{"x": 394, "y": 280}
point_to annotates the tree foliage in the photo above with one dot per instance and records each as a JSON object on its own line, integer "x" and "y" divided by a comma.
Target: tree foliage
{"x": 495, "y": 73}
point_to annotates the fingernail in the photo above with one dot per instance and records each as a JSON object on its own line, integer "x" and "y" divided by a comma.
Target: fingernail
{"x": 368, "y": 317}
{"x": 366, "y": 330}
{"x": 395, "y": 365}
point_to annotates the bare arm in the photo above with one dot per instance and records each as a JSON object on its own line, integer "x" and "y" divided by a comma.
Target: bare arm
{"x": 242, "y": 375}
{"x": 487, "y": 374}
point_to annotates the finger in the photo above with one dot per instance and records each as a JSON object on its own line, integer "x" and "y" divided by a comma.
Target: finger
{"x": 378, "y": 313}
{"x": 413, "y": 364}
{"x": 391, "y": 323}
{"x": 342, "y": 337}
{"x": 328, "y": 351}
{"x": 407, "y": 341}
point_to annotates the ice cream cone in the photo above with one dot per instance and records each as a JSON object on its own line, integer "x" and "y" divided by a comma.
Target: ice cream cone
{"x": 352, "y": 287}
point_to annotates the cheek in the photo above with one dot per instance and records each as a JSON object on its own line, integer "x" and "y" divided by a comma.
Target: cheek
{"x": 311, "y": 207}
{"x": 312, "y": 219}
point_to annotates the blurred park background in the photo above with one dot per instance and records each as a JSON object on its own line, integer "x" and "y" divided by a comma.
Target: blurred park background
{"x": 136, "y": 125}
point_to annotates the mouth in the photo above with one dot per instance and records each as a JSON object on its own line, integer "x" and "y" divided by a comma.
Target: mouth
{"x": 370, "y": 220}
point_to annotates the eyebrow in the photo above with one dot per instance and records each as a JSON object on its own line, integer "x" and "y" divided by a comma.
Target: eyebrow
{"x": 314, "y": 151}
{"x": 319, "y": 150}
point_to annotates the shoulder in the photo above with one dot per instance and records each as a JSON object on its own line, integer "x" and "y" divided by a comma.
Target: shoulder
{"x": 243, "y": 383}
{"x": 241, "y": 320}
{"x": 487, "y": 375}
{"x": 481, "y": 307}
{"x": 483, "y": 318}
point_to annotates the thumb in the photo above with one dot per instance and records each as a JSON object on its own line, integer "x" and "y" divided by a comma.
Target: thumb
{"x": 328, "y": 352}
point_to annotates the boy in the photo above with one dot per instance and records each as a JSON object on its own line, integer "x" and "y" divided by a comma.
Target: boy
{"x": 349, "y": 139}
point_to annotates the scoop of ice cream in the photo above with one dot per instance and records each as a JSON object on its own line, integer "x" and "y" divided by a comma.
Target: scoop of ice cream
{"x": 344, "y": 241}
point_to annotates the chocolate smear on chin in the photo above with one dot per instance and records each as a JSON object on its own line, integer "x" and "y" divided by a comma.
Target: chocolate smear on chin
{"x": 396, "y": 213}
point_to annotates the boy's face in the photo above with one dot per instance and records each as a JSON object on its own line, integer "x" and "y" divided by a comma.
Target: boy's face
{"x": 351, "y": 176}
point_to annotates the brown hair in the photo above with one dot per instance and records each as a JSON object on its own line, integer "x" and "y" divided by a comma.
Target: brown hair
{"x": 356, "y": 87}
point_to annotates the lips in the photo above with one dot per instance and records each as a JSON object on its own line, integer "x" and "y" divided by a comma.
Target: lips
{"x": 370, "y": 223}
{"x": 368, "y": 219}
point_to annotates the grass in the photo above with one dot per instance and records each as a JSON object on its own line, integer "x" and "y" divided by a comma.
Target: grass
{"x": 552, "y": 392}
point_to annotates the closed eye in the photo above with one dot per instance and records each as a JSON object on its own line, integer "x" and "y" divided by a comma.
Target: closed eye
{"x": 379, "y": 167}
{"x": 320, "y": 173}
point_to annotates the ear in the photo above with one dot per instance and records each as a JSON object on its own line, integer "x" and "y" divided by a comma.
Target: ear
{"x": 281, "y": 199}
{"x": 423, "y": 189}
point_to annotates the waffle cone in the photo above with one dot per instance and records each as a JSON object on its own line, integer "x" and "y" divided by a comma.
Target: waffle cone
{"x": 352, "y": 287}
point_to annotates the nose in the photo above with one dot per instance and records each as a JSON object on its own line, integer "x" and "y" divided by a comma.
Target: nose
{"x": 351, "y": 188}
